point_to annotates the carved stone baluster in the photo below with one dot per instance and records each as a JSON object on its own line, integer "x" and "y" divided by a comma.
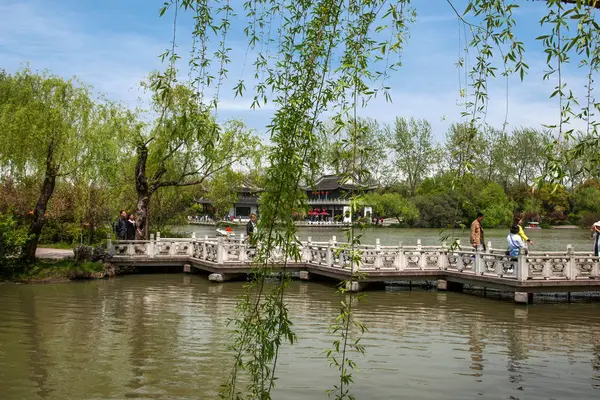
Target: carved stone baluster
{"x": 243, "y": 250}
{"x": 221, "y": 256}
{"x": 422, "y": 258}
{"x": 151, "y": 247}
{"x": 571, "y": 271}
{"x": 308, "y": 253}
{"x": 378, "y": 261}
{"x": 478, "y": 264}
{"x": 191, "y": 246}
{"x": 329, "y": 255}
{"x": 522, "y": 267}
{"x": 400, "y": 258}
{"x": 204, "y": 249}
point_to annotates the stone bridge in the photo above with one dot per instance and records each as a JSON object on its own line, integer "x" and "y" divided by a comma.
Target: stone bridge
{"x": 225, "y": 259}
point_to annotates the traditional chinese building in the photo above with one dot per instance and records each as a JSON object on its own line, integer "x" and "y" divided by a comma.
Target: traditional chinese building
{"x": 329, "y": 198}
{"x": 246, "y": 204}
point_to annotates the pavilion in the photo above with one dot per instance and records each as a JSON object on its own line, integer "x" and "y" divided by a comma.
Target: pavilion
{"x": 329, "y": 198}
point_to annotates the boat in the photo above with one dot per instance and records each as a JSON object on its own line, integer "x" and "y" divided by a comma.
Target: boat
{"x": 533, "y": 225}
{"x": 223, "y": 232}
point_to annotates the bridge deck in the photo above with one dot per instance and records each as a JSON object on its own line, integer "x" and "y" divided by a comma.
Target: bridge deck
{"x": 568, "y": 271}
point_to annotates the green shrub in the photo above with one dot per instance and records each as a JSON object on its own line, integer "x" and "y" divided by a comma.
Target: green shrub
{"x": 12, "y": 240}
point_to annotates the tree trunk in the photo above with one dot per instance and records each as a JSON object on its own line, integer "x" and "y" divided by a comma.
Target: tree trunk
{"x": 141, "y": 215}
{"x": 142, "y": 189}
{"x": 39, "y": 214}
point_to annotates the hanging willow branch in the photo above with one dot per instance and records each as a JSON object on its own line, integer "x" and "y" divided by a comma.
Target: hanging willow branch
{"x": 312, "y": 57}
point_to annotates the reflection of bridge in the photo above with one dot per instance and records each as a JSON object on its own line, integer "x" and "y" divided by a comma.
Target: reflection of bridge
{"x": 536, "y": 272}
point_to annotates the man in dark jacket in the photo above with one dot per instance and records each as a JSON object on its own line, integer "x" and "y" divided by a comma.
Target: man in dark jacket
{"x": 122, "y": 226}
{"x": 251, "y": 228}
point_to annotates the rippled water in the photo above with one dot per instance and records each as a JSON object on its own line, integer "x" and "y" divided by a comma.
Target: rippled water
{"x": 164, "y": 337}
{"x": 544, "y": 239}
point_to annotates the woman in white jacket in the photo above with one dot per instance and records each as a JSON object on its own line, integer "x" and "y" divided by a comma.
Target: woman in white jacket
{"x": 515, "y": 243}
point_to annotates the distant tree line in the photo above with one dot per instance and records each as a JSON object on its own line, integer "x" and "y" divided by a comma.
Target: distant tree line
{"x": 425, "y": 183}
{"x": 70, "y": 160}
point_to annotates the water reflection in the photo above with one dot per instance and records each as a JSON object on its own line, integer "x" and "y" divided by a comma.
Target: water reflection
{"x": 165, "y": 336}
{"x": 544, "y": 239}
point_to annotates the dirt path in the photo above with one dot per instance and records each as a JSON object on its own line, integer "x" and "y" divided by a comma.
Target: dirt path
{"x": 53, "y": 254}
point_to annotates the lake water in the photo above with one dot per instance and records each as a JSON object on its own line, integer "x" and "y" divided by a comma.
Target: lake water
{"x": 544, "y": 239}
{"x": 163, "y": 336}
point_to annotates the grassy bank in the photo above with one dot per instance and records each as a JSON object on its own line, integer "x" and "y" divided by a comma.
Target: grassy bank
{"x": 60, "y": 271}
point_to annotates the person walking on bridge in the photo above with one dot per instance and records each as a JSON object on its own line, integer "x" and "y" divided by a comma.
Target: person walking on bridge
{"x": 477, "y": 240}
{"x": 519, "y": 223}
{"x": 251, "y": 229}
{"x": 596, "y": 237}
{"x": 121, "y": 228}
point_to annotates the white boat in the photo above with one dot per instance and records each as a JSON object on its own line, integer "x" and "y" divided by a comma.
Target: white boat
{"x": 223, "y": 232}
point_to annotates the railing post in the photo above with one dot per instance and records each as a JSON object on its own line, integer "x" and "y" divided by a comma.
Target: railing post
{"x": 378, "y": 262}
{"x": 204, "y": 247}
{"x": 329, "y": 256}
{"x": 522, "y": 268}
{"x": 192, "y": 243}
{"x": 488, "y": 247}
{"x": 109, "y": 245}
{"x": 243, "y": 249}
{"x": 158, "y": 236}
{"x": 400, "y": 257}
{"x": 477, "y": 265}
{"x": 220, "y": 250}
{"x": 422, "y": 261}
{"x": 306, "y": 250}
{"x": 151, "y": 249}
{"x": 572, "y": 269}
{"x": 444, "y": 256}
{"x": 334, "y": 240}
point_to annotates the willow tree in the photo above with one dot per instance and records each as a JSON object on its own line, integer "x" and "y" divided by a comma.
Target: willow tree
{"x": 335, "y": 56}
{"x": 183, "y": 146}
{"x": 50, "y": 130}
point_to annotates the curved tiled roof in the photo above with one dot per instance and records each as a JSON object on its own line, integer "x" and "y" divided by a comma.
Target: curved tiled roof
{"x": 332, "y": 182}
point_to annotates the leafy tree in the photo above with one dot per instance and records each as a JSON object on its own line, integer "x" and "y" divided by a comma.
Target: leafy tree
{"x": 183, "y": 146}
{"x": 370, "y": 158}
{"x": 494, "y": 164}
{"x": 414, "y": 148}
{"x": 464, "y": 145}
{"x": 12, "y": 240}
{"x": 555, "y": 201}
{"x": 392, "y": 205}
{"x": 437, "y": 210}
{"x": 50, "y": 130}
{"x": 222, "y": 190}
{"x": 527, "y": 148}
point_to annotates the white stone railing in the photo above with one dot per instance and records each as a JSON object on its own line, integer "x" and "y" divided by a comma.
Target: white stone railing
{"x": 493, "y": 263}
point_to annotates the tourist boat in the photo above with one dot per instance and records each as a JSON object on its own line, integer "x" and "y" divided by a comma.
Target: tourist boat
{"x": 533, "y": 225}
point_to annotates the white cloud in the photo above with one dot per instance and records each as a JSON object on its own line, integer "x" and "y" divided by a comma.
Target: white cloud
{"x": 115, "y": 61}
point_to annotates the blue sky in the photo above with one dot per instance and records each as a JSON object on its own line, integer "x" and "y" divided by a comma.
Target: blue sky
{"x": 114, "y": 44}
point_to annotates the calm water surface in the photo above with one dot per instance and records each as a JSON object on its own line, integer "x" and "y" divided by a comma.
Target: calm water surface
{"x": 544, "y": 239}
{"x": 163, "y": 336}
